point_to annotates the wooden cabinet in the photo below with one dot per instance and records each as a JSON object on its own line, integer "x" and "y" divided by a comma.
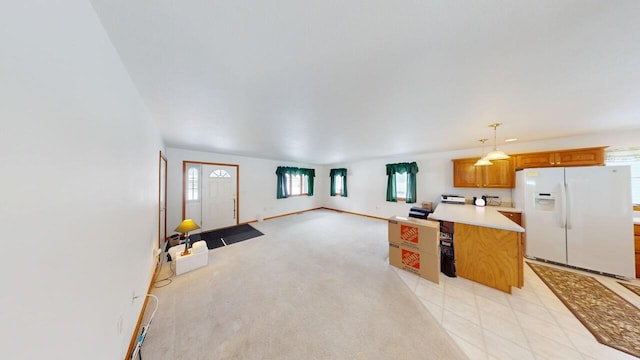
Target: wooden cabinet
{"x": 492, "y": 257}
{"x": 516, "y": 217}
{"x": 502, "y": 173}
{"x": 574, "y": 157}
{"x": 534, "y": 160}
{"x": 636, "y": 231}
{"x": 499, "y": 175}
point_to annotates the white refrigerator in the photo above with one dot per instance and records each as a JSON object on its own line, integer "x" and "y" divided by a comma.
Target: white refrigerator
{"x": 579, "y": 216}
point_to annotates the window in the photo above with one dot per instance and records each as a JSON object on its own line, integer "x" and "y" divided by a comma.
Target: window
{"x": 219, "y": 173}
{"x": 338, "y": 184}
{"x": 293, "y": 181}
{"x": 401, "y": 186}
{"x": 401, "y": 182}
{"x": 297, "y": 184}
{"x": 193, "y": 185}
{"x": 631, "y": 157}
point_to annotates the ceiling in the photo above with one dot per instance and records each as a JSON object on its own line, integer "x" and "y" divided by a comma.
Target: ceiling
{"x": 333, "y": 81}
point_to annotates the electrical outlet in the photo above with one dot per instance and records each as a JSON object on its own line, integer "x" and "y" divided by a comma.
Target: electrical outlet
{"x": 133, "y": 296}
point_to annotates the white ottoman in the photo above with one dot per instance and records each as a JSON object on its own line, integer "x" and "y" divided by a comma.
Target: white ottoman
{"x": 198, "y": 257}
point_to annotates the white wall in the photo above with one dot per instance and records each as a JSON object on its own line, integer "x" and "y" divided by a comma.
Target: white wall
{"x": 367, "y": 179}
{"x": 257, "y": 189}
{"x": 79, "y": 165}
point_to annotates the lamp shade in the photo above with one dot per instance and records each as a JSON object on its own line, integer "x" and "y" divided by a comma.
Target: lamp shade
{"x": 186, "y": 226}
{"x": 496, "y": 155}
{"x": 483, "y": 162}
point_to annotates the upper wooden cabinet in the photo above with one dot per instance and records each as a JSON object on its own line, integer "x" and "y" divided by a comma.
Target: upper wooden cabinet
{"x": 499, "y": 175}
{"x": 573, "y": 157}
{"x": 502, "y": 173}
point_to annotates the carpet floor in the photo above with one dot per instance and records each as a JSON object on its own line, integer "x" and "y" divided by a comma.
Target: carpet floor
{"x": 612, "y": 320}
{"x": 316, "y": 286}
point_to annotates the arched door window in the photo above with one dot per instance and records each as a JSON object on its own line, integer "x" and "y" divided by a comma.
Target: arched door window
{"x": 219, "y": 173}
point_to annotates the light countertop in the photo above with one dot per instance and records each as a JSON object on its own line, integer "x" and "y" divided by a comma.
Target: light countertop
{"x": 487, "y": 216}
{"x": 504, "y": 208}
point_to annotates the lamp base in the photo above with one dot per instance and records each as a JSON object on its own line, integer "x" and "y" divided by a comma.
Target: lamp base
{"x": 187, "y": 247}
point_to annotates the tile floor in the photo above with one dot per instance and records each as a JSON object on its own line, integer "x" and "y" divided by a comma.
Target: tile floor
{"x": 529, "y": 324}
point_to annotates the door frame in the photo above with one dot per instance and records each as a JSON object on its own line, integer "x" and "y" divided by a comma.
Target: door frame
{"x": 162, "y": 195}
{"x": 184, "y": 184}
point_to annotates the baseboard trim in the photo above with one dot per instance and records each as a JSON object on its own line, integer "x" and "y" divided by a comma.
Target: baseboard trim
{"x": 283, "y": 215}
{"x": 355, "y": 213}
{"x": 134, "y": 336}
{"x": 318, "y": 208}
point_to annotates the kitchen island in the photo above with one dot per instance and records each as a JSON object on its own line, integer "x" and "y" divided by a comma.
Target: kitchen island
{"x": 487, "y": 245}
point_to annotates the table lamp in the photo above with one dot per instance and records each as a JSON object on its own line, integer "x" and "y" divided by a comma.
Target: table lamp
{"x": 184, "y": 227}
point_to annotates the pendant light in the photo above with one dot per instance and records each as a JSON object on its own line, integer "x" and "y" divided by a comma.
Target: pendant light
{"x": 496, "y": 154}
{"x": 483, "y": 160}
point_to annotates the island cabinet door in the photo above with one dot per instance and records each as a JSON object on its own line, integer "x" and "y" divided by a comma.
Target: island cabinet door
{"x": 636, "y": 231}
{"x": 492, "y": 257}
{"x": 517, "y": 218}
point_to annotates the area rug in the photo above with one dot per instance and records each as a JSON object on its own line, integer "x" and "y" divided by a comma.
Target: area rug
{"x": 612, "y": 320}
{"x": 633, "y": 288}
{"x": 230, "y": 235}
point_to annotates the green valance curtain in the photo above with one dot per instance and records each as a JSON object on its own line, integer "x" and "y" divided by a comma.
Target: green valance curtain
{"x": 332, "y": 174}
{"x": 411, "y": 169}
{"x": 281, "y": 173}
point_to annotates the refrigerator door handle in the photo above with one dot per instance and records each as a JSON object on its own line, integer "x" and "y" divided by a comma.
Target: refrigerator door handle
{"x": 563, "y": 205}
{"x": 569, "y": 212}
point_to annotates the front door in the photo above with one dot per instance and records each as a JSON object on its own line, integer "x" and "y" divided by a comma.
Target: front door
{"x": 219, "y": 200}
{"x": 211, "y": 197}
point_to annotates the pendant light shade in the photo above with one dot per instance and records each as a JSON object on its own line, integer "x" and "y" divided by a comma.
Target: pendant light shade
{"x": 483, "y": 160}
{"x": 496, "y": 154}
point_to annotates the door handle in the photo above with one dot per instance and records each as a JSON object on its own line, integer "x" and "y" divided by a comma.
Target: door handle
{"x": 234, "y": 208}
{"x": 568, "y": 211}
{"x": 563, "y": 212}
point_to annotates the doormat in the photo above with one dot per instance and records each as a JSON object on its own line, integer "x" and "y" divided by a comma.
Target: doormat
{"x": 633, "y": 288}
{"x": 613, "y": 321}
{"x": 228, "y": 236}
